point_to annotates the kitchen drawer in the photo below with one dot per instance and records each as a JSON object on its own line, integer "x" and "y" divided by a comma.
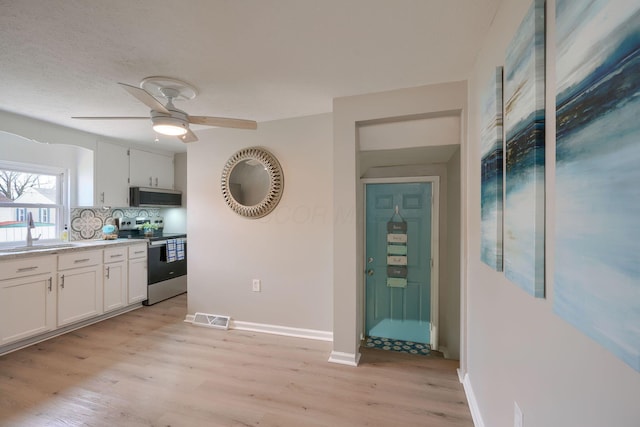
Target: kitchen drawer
{"x": 27, "y": 266}
{"x": 138, "y": 251}
{"x": 115, "y": 254}
{"x": 79, "y": 259}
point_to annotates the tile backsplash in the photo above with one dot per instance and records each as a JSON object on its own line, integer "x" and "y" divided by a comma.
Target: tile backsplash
{"x": 87, "y": 223}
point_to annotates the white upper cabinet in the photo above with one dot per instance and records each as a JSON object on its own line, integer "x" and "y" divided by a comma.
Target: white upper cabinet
{"x": 148, "y": 169}
{"x": 112, "y": 175}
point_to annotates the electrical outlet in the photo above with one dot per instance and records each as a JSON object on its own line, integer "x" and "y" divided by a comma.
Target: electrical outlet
{"x": 518, "y": 418}
{"x": 255, "y": 285}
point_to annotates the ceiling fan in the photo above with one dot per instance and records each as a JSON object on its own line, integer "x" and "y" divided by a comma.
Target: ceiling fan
{"x": 167, "y": 119}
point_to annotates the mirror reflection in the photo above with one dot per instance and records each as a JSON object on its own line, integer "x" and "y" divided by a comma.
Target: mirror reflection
{"x": 252, "y": 182}
{"x": 249, "y": 182}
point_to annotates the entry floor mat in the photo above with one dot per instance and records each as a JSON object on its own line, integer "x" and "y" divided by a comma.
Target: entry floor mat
{"x": 398, "y": 345}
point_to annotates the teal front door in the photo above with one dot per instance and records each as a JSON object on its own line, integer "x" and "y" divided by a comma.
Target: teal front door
{"x": 397, "y": 307}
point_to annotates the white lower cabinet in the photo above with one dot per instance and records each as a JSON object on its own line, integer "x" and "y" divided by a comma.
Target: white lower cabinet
{"x": 115, "y": 278}
{"x": 27, "y": 300}
{"x": 79, "y": 286}
{"x": 137, "y": 273}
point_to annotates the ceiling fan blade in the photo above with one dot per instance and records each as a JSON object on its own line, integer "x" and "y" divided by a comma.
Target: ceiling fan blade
{"x": 223, "y": 122}
{"x": 144, "y": 97}
{"x": 188, "y": 137}
{"x": 111, "y": 118}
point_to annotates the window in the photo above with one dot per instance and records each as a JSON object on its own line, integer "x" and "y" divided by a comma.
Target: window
{"x": 44, "y": 215}
{"x": 29, "y": 189}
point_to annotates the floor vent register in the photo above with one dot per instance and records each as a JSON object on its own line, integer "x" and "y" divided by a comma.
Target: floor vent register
{"x": 211, "y": 320}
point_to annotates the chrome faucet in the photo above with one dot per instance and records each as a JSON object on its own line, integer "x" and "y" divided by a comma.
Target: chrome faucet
{"x": 30, "y": 225}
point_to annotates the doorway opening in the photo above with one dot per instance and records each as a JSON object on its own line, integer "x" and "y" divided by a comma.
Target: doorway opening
{"x": 401, "y": 263}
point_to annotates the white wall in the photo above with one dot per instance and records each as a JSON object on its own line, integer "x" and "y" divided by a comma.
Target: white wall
{"x": 83, "y": 185}
{"x": 41, "y": 131}
{"x": 289, "y": 250}
{"x": 450, "y": 293}
{"x": 419, "y": 132}
{"x": 518, "y": 349}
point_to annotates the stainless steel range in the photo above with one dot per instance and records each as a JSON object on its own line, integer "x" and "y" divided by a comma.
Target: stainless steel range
{"x": 166, "y": 257}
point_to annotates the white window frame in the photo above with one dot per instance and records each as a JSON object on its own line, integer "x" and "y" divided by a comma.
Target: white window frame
{"x": 61, "y": 207}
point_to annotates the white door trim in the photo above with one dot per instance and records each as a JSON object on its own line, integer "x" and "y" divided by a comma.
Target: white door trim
{"x": 435, "y": 245}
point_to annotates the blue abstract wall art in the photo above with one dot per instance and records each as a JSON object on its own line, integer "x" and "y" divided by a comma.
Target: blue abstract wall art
{"x": 597, "y": 239}
{"x": 524, "y": 118}
{"x": 491, "y": 178}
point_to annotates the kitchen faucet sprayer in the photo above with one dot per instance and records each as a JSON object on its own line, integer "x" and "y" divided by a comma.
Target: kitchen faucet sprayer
{"x": 30, "y": 225}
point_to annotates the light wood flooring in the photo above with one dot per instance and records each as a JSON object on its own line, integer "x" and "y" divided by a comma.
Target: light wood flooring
{"x": 149, "y": 368}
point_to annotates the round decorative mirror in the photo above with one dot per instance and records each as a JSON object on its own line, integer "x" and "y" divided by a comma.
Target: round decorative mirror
{"x": 252, "y": 182}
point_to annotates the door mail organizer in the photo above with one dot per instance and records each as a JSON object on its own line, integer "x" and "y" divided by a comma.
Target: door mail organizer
{"x": 397, "y": 251}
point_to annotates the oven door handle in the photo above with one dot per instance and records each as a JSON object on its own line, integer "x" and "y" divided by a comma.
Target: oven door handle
{"x": 163, "y": 242}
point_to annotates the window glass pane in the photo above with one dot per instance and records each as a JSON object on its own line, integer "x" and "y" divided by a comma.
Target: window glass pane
{"x": 23, "y": 193}
{"x": 26, "y": 187}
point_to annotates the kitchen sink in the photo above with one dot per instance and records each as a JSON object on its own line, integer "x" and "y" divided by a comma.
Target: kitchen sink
{"x": 43, "y": 247}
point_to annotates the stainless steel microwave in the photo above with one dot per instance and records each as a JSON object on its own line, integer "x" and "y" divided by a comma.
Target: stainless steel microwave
{"x": 144, "y": 196}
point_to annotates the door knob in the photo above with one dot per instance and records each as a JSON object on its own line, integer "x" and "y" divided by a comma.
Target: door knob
{"x": 370, "y": 272}
{"x": 370, "y": 260}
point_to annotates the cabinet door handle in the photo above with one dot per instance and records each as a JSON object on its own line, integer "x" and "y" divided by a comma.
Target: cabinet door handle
{"x": 102, "y": 197}
{"x": 139, "y": 252}
{"x": 50, "y": 286}
{"x": 150, "y": 181}
{"x": 156, "y": 181}
{"x": 78, "y": 261}
{"x": 23, "y": 269}
{"x": 108, "y": 268}
{"x": 116, "y": 256}
{"x": 62, "y": 281}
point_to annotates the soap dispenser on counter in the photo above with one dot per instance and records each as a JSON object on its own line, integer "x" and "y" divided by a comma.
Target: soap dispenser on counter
{"x": 65, "y": 234}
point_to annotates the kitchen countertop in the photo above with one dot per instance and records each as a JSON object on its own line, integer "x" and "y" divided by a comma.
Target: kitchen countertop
{"x": 55, "y": 248}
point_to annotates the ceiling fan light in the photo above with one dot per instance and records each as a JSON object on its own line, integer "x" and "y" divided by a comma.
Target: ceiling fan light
{"x": 169, "y": 126}
{"x": 169, "y": 130}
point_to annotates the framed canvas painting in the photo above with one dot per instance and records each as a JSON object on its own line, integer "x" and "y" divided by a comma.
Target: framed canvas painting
{"x": 597, "y": 237}
{"x": 524, "y": 119}
{"x": 491, "y": 175}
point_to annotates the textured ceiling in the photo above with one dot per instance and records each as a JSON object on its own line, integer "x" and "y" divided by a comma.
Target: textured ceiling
{"x": 253, "y": 59}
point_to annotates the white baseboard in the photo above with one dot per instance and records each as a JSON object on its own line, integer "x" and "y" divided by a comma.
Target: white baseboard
{"x": 349, "y": 359}
{"x": 341, "y": 358}
{"x": 312, "y": 334}
{"x": 288, "y": 331}
{"x": 445, "y": 351}
{"x": 473, "y": 403}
